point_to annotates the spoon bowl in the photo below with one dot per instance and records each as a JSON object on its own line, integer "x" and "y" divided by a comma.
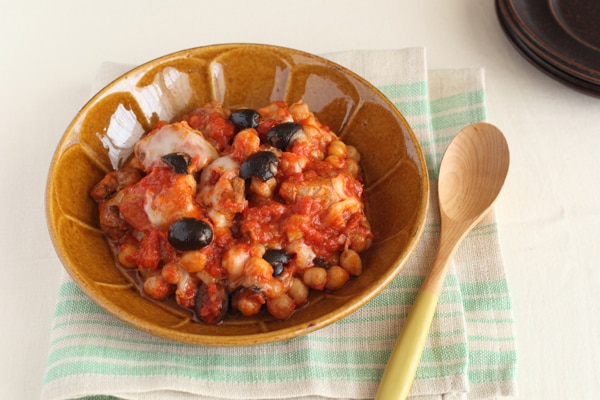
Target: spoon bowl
{"x": 487, "y": 170}
{"x": 471, "y": 176}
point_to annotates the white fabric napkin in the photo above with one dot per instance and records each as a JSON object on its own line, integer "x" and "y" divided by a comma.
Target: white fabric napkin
{"x": 470, "y": 352}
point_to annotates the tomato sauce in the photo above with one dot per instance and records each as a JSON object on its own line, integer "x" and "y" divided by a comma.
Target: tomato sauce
{"x": 303, "y": 203}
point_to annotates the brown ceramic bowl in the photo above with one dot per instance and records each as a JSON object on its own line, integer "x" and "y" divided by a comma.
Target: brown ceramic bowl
{"x": 238, "y": 75}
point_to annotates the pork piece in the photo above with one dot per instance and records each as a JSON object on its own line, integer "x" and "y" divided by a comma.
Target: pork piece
{"x": 179, "y": 138}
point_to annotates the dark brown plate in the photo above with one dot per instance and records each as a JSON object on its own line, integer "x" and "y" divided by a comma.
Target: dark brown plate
{"x": 560, "y": 36}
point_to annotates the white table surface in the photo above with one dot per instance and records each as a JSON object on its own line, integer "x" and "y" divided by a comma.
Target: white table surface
{"x": 549, "y": 212}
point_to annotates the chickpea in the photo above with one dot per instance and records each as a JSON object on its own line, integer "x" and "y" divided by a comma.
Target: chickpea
{"x": 157, "y": 288}
{"x": 336, "y": 161}
{"x": 249, "y": 306}
{"x": 315, "y": 277}
{"x": 337, "y": 148}
{"x": 263, "y": 189}
{"x": 300, "y": 111}
{"x": 351, "y": 262}
{"x": 273, "y": 288}
{"x": 292, "y": 163}
{"x": 171, "y": 273}
{"x": 310, "y": 130}
{"x": 248, "y": 301}
{"x": 281, "y": 307}
{"x": 258, "y": 271}
{"x": 257, "y": 266}
{"x": 126, "y": 256}
{"x": 245, "y": 143}
{"x": 193, "y": 261}
{"x": 352, "y": 153}
{"x": 360, "y": 240}
{"x": 336, "y": 277}
{"x": 298, "y": 291}
{"x": 352, "y": 167}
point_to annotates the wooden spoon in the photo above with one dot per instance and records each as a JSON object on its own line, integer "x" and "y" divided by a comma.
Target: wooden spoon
{"x": 472, "y": 173}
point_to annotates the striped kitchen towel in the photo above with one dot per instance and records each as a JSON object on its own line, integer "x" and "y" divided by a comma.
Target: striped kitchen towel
{"x": 470, "y": 352}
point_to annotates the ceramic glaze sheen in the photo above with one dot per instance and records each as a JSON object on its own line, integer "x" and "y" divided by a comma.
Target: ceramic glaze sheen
{"x": 101, "y": 136}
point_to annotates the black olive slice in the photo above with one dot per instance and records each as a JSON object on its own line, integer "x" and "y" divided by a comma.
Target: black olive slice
{"x": 179, "y": 162}
{"x": 262, "y": 165}
{"x": 189, "y": 234}
{"x": 321, "y": 262}
{"x": 277, "y": 258}
{"x": 211, "y": 304}
{"x": 244, "y": 118}
{"x": 283, "y": 135}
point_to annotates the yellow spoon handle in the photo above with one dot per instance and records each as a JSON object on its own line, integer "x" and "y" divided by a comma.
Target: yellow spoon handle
{"x": 402, "y": 365}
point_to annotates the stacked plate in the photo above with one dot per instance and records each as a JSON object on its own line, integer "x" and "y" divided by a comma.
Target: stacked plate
{"x": 562, "y": 37}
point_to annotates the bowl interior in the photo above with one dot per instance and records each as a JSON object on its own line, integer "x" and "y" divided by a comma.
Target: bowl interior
{"x": 102, "y": 134}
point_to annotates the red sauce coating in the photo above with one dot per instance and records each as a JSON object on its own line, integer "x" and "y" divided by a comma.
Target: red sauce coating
{"x": 312, "y": 208}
